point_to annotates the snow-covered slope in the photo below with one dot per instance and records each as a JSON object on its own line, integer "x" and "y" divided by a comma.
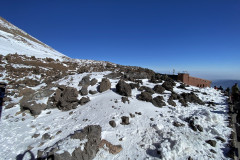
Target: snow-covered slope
{"x": 14, "y": 40}
{"x": 33, "y": 120}
{"x": 151, "y": 133}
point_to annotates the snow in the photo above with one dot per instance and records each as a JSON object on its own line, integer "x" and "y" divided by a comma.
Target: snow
{"x": 11, "y": 43}
{"x": 141, "y": 139}
{"x": 70, "y": 145}
{"x": 148, "y": 133}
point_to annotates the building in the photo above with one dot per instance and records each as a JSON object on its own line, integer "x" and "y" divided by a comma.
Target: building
{"x": 185, "y": 78}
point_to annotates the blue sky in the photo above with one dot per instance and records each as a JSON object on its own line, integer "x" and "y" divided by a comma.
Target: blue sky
{"x": 201, "y": 37}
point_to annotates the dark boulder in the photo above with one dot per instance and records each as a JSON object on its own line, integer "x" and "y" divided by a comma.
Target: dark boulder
{"x": 134, "y": 85}
{"x": 146, "y": 89}
{"x": 84, "y": 91}
{"x": 69, "y": 94}
{"x": 46, "y": 136}
{"x": 93, "y": 92}
{"x": 93, "y": 81}
{"x": 191, "y": 124}
{"x": 65, "y": 98}
{"x": 178, "y": 124}
{"x": 145, "y": 96}
{"x": 125, "y": 120}
{"x": 159, "y": 89}
{"x": 85, "y": 81}
{"x": 112, "y": 123}
{"x": 171, "y": 102}
{"x": 221, "y": 139}
{"x": 84, "y": 100}
{"x": 158, "y": 101}
{"x": 211, "y": 142}
{"x": 192, "y": 98}
{"x": 104, "y": 85}
{"x": 168, "y": 86}
{"x": 91, "y": 147}
{"x": 200, "y": 128}
{"x": 138, "y": 81}
{"x": 155, "y": 79}
{"x": 213, "y": 151}
{"x": 175, "y": 96}
{"x": 123, "y": 88}
{"x": 183, "y": 102}
{"x": 93, "y": 135}
{"x": 125, "y": 99}
{"x": 68, "y": 99}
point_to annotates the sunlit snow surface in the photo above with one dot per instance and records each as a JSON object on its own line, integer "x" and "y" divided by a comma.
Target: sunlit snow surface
{"x": 16, "y": 43}
{"x": 140, "y": 139}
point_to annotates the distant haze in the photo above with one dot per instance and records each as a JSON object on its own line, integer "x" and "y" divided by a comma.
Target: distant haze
{"x": 225, "y": 80}
{"x": 213, "y": 76}
{"x": 225, "y": 83}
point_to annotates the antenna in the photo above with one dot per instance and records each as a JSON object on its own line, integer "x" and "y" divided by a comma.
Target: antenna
{"x": 173, "y": 71}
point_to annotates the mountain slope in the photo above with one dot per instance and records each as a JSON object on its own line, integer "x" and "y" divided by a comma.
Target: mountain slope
{"x": 14, "y": 40}
{"x": 54, "y": 109}
{"x": 165, "y": 132}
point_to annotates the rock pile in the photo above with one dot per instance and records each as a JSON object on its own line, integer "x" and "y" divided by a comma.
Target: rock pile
{"x": 65, "y": 98}
{"x": 93, "y": 135}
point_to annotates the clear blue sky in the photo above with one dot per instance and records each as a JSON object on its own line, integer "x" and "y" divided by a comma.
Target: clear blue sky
{"x": 201, "y": 37}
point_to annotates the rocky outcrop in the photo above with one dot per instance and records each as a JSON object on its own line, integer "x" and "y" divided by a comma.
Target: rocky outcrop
{"x": 84, "y": 91}
{"x": 145, "y": 96}
{"x": 33, "y": 107}
{"x": 134, "y": 85}
{"x": 158, "y": 101}
{"x": 168, "y": 86}
{"x": 135, "y": 75}
{"x": 93, "y": 92}
{"x": 93, "y": 135}
{"x": 175, "y": 96}
{"x": 28, "y": 102}
{"x": 104, "y": 85}
{"x": 159, "y": 89}
{"x": 171, "y": 102}
{"x": 114, "y": 75}
{"x": 84, "y": 100}
{"x": 123, "y": 88}
{"x": 192, "y": 98}
{"x": 65, "y": 98}
{"x": 212, "y": 142}
{"x": 93, "y": 81}
{"x": 26, "y": 92}
{"x": 125, "y": 99}
{"x": 85, "y": 81}
{"x": 146, "y": 89}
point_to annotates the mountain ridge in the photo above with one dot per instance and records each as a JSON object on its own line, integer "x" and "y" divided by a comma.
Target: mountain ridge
{"x": 15, "y": 40}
